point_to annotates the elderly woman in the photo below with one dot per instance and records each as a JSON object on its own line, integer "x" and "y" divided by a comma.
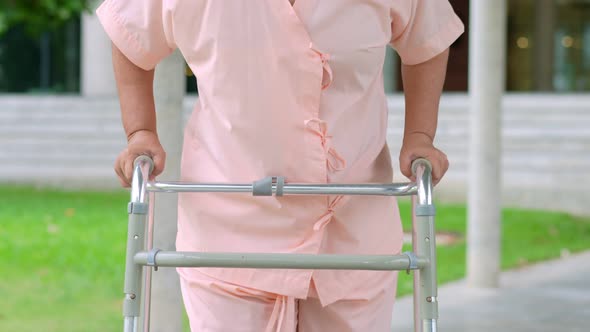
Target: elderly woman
{"x": 290, "y": 88}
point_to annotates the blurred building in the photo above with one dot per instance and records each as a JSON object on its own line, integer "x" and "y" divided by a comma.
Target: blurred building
{"x": 60, "y": 123}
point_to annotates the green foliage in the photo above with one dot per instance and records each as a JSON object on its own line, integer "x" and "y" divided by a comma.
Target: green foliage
{"x": 38, "y": 16}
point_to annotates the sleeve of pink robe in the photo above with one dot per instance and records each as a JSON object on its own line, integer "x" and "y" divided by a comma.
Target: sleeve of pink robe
{"x": 141, "y": 29}
{"x": 422, "y": 29}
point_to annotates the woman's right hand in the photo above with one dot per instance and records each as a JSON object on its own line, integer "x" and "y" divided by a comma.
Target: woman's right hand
{"x": 142, "y": 142}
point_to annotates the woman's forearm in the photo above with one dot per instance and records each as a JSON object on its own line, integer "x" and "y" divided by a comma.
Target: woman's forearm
{"x": 136, "y": 96}
{"x": 423, "y": 85}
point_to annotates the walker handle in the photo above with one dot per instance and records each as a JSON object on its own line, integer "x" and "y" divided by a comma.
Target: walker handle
{"x": 142, "y": 168}
{"x": 144, "y": 159}
{"x": 423, "y": 180}
{"x": 421, "y": 162}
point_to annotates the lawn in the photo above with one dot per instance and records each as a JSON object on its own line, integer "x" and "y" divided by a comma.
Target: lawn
{"x": 62, "y": 254}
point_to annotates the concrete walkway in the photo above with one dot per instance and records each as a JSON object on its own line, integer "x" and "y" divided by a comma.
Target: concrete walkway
{"x": 548, "y": 297}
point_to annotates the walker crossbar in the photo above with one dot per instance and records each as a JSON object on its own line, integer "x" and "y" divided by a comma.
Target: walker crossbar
{"x": 279, "y": 261}
{"x": 422, "y": 259}
{"x": 388, "y": 189}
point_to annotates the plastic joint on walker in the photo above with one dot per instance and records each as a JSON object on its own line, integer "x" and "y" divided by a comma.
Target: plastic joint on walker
{"x": 425, "y": 210}
{"x": 137, "y": 208}
{"x": 263, "y": 187}
{"x": 413, "y": 261}
{"x": 151, "y": 258}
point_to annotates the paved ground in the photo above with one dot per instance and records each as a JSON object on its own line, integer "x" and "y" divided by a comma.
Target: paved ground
{"x": 548, "y": 297}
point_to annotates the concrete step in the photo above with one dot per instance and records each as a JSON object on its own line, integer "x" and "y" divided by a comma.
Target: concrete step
{"x": 61, "y": 129}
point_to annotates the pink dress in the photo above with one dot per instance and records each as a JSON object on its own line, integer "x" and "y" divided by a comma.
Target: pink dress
{"x": 295, "y": 91}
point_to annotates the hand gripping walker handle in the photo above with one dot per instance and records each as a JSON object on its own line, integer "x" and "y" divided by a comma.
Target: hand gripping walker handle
{"x": 143, "y": 159}
{"x": 421, "y": 162}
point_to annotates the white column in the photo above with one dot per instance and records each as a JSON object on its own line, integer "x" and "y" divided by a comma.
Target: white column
{"x": 390, "y": 70}
{"x": 487, "y": 65}
{"x": 169, "y": 90}
{"x": 96, "y": 72}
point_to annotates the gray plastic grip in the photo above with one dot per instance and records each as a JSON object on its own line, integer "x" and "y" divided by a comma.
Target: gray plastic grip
{"x": 413, "y": 260}
{"x": 280, "y": 185}
{"x": 151, "y": 258}
{"x": 425, "y": 210}
{"x": 263, "y": 187}
{"x": 137, "y": 208}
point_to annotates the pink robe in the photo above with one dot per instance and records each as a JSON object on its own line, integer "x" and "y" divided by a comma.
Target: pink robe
{"x": 295, "y": 91}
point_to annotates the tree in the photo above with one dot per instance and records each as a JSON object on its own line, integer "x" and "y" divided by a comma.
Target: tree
{"x": 34, "y": 31}
{"x": 39, "y": 15}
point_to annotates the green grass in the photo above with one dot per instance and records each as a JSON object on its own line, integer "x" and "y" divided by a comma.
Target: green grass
{"x": 528, "y": 236}
{"x": 61, "y": 260}
{"x": 62, "y": 254}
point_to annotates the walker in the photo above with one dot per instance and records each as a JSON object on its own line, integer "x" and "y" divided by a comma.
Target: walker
{"x": 422, "y": 260}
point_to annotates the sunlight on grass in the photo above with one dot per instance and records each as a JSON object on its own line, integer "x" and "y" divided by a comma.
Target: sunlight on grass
{"x": 62, "y": 254}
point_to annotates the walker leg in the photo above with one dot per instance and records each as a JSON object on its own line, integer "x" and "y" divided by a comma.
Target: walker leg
{"x": 425, "y": 286}
{"x": 130, "y": 324}
{"x": 136, "y": 231}
{"x": 424, "y": 245}
{"x": 147, "y": 285}
{"x": 429, "y": 325}
{"x": 133, "y": 273}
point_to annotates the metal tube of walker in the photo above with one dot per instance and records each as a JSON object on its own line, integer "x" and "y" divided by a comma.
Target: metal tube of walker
{"x": 147, "y": 280}
{"x": 137, "y": 209}
{"x": 424, "y": 245}
{"x": 425, "y": 290}
{"x": 280, "y": 261}
{"x": 386, "y": 189}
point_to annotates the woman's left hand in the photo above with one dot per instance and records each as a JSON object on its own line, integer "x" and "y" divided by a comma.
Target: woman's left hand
{"x": 420, "y": 145}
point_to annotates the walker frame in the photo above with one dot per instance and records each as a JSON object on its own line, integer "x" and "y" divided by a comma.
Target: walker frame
{"x": 141, "y": 259}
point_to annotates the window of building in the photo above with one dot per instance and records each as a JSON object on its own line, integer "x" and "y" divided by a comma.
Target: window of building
{"x": 548, "y": 50}
{"x": 191, "y": 82}
{"x": 549, "y": 45}
{"x": 571, "y": 37}
{"x": 456, "y": 79}
{"x": 49, "y": 63}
